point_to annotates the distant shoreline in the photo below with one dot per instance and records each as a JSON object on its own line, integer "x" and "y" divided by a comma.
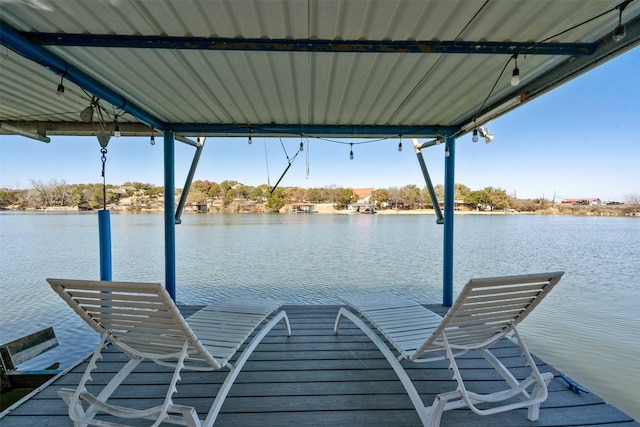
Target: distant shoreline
{"x": 328, "y": 209}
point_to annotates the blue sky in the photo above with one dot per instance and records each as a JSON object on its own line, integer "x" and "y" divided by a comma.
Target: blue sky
{"x": 580, "y": 140}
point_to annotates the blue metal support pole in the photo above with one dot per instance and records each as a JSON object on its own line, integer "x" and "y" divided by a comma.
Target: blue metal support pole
{"x": 449, "y": 194}
{"x": 104, "y": 232}
{"x": 427, "y": 179}
{"x": 169, "y": 221}
{"x": 187, "y": 184}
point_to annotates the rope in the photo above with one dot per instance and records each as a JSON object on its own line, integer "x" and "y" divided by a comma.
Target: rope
{"x": 266, "y": 157}
{"x": 103, "y": 150}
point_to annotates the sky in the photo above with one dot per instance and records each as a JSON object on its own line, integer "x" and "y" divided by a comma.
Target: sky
{"x": 580, "y": 140}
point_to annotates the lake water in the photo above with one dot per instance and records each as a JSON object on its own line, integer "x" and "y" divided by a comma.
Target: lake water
{"x": 588, "y": 327}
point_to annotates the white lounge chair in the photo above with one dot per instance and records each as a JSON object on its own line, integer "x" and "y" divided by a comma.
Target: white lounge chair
{"x": 142, "y": 320}
{"x": 484, "y": 312}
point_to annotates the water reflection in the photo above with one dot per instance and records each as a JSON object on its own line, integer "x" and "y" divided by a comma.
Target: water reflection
{"x": 588, "y": 327}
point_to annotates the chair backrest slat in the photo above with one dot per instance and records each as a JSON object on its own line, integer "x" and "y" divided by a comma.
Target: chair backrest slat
{"x": 485, "y": 309}
{"x": 139, "y": 318}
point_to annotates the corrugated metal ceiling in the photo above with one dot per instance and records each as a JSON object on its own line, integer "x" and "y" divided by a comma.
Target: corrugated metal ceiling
{"x": 350, "y": 93}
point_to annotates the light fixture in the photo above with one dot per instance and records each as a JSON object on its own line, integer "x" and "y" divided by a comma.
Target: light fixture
{"x": 116, "y": 129}
{"x": 103, "y": 139}
{"x": 86, "y": 115}
{"x": 446, "y": 152}
{"x": 60, "y": 91}
{"x": 515, "y": 77}
{"x": 485, "y": 134}
{"x": 400, "y": 146}
{"x": 301, "y": 146}
{"x": 351, "y": 152}
{"x": 619, "y": 32}
{"x": 474, "y": 138}
{"x": 153, "y": 140}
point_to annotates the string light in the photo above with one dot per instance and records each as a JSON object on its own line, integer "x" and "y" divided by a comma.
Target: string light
{"x": 116, "y": 129}
{"x": 474, "y": 138}
{"x": 400, "y": 145}
{"x": 153, "y": 140}
{"x": 301, "y": 146}
{"x": 515, "y": 77}
{"x": 60, "y": 91}
{"x": 351, "y": 152}
{"x": 619, "y": 32}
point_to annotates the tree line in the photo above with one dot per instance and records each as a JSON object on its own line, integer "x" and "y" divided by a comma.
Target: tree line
{"x": 58, "y": 193}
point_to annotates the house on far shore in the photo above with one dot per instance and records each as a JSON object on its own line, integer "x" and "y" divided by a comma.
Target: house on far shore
{"x": 363, "y": 194}
{"x": 589, "y": 201}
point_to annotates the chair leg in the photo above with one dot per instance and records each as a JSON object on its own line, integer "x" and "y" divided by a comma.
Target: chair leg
{"x": 425, "y": 417}
{"x": 517, "y": 388}
{"x": 172, "y": 385}
{"x": 235, "y": 370}
{"x": 67, "y": 395}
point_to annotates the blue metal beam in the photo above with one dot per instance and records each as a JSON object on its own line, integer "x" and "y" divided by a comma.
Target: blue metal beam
{"x": 15, "y": 41}
{"x": 449, "y": 195}
{"x": 283, "y": 130}
{"x": 169, "y": 221}
{"x": 310, "y": 45}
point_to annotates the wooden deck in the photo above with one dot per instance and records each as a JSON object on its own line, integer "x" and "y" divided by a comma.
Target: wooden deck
{"x": 317, "y": 378}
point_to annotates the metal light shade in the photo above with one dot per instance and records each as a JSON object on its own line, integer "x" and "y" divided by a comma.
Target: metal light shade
{"x": 103, "y": 139}
{"x": 86, "y": 115}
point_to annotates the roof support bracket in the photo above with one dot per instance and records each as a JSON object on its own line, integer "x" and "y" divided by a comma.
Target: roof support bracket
{"x": 187, "y": 185}
{"x": 434, "y": 198}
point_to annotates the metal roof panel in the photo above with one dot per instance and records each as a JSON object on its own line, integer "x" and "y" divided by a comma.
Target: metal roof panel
{"x": 292, "y": 88}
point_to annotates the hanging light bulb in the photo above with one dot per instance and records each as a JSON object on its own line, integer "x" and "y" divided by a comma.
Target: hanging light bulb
{"x": 515, "y": 77}
{"x": 619, "y": 32}
{"x": 351, "y": 153}
{"x": 446, "y": 152}
{"x": 474, "y": 138}
{"x": 60, "y": 91}
{"x": 400, "y": 146}
{"x": 301, "y": 146}
{"x": 153, "y": 140}
{"x": 250, "y": 141}
{"x": 116, "y": 129}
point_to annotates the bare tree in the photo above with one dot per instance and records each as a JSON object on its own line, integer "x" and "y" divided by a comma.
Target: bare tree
{"x": 633, "y": 199}
{"x": 44, "y": 192}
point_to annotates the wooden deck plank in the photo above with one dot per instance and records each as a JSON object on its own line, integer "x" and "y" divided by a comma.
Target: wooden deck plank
{"x": 316, "y": 378}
